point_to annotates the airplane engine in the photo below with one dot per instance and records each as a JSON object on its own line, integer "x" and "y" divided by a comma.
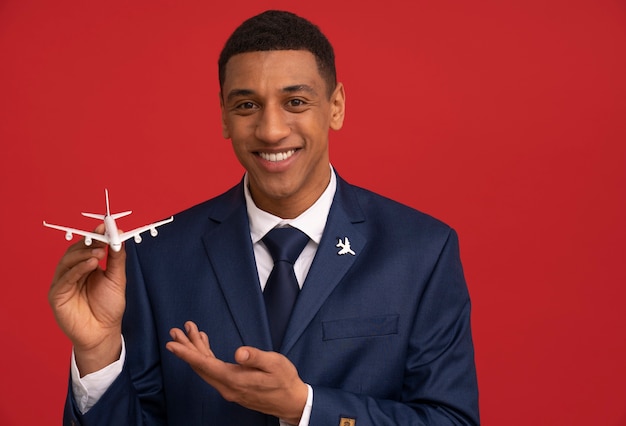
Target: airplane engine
{"x": 68, "y": 236}
{"x": 88, "y": 241}
{"x": 154, "y": 232}
{"x": 137, "y": 238}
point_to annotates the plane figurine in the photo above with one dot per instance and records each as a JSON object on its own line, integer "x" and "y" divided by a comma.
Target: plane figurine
{"x": 111, "y": 236}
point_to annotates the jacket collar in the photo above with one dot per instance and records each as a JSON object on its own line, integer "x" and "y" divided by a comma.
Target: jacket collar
{"x": 229, "y": 249}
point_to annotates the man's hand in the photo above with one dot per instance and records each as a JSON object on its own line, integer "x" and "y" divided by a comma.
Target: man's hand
{"x": 263, "y": 381}
{"x": 88, "y": 302}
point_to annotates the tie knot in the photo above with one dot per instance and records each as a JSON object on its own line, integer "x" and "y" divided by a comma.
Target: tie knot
{"x": 285, "y": 244}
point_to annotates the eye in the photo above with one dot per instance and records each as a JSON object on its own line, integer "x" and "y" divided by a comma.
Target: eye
{"x": 245, "y": 105}
{"x": 296, "y": 103}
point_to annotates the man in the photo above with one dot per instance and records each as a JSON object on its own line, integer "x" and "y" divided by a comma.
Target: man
{"x": 379, "y": 333}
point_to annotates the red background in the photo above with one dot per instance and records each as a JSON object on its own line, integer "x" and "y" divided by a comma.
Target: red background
{"x": 504, "y": 119}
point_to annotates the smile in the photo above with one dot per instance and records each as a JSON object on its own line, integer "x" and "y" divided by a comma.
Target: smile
{"x": 276, "y": 156}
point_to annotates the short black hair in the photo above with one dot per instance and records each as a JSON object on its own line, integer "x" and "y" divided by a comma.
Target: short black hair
{"x": 281, "y": 30}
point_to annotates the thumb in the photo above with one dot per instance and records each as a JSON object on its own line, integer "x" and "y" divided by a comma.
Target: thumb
{"x": 248, "y": 356}
{"x": 116, "y": 264}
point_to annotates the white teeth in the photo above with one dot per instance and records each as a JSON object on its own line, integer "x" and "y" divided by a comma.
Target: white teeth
{"x": 274, "y": 157}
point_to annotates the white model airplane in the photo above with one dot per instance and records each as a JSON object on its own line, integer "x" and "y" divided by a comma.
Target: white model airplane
{"x": 111, "y": 236}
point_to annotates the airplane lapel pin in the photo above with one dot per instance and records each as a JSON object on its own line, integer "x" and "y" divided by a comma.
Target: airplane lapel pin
{"x": 345, "y": 247}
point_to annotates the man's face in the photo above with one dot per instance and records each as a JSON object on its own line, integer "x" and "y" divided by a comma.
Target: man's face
{"x": 276, "y": 111}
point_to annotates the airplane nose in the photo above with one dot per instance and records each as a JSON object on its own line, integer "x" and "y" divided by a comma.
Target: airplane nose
{"x": 116, "y": 247}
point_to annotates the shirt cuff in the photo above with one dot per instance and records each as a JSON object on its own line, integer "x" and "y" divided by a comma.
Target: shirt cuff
{"x": 306, "y": 413}
{"x": 89, "y": 389}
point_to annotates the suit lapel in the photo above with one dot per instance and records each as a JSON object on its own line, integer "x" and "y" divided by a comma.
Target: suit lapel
{"x": 230, "y": 252}
{"x": 328, "y": 267}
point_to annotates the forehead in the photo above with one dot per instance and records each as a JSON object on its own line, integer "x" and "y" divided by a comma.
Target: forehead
{"x": 272, "y": 69}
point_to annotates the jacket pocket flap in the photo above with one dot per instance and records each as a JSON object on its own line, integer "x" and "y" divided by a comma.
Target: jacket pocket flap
{"x": 360, "y": 327}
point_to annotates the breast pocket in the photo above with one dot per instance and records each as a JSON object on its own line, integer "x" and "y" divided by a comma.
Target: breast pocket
{"x": 347, "y": 328}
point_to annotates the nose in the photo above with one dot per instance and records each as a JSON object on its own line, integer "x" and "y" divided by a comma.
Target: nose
{"x": 273, "y": 125}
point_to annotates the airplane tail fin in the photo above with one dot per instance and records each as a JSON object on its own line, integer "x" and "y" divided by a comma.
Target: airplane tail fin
{"x": 108, "y": 213}
{"x": 106, "y": 196}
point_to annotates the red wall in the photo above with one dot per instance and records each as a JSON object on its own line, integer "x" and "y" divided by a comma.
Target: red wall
{"x": 505, "y": 119}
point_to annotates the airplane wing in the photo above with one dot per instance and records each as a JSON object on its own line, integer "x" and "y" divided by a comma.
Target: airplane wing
{"x": 152, "y": 227}
{"x": 69, "y": 232}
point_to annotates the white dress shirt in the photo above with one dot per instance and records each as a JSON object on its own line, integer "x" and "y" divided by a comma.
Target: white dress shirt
{"x": 88, "y": 389}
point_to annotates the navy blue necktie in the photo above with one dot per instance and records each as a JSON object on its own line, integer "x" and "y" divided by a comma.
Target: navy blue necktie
{"x": 281, "y": 290}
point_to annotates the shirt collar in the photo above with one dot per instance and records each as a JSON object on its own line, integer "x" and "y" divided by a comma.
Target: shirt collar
{"x": 312, "y": 221}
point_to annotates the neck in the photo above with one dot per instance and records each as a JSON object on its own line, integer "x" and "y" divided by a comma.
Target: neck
{"x": 291, "y": 206}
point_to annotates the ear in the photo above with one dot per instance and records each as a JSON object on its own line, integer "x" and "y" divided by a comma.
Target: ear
{"x": 225, "y": 132}
{"x": 337, "y": 107}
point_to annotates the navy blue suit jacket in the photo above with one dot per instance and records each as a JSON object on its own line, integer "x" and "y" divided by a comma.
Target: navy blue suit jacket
{"x": 383, "y": 336}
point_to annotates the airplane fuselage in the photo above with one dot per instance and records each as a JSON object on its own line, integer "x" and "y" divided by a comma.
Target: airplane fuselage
{"x": 110, "y": 230}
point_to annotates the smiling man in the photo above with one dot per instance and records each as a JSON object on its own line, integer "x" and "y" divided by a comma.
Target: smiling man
{"x": 277, "y": 111}
{"x": 303, "y": 300}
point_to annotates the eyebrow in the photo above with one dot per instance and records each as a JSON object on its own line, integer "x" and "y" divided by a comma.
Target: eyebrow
{"x": 239, "y": 92}
{"x": 288, "y": 89}
{"x": 300, "y": 88}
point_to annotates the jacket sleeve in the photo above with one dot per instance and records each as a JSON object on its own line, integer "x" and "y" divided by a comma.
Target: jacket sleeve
{"x": 439, "y": 384}
{"x": 118, "y": 405}
{"x": 136, "y": 396}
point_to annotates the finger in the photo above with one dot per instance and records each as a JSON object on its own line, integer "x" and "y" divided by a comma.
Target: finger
{"x": 70, "y": 281}
{"x": 255, "y": 358}
{"x": 95, "y": 243}
{"x": 180, "y": 345}
{"x": 205, "y": 339}
{"x": 79, "y": 271}
{"x": 76, "y": 274}
{"x": 116, "y": 265}
{"x": 78, "y": 252}
{"x": 192, "y": 331}
{"x": 201, "y": 360}
{"x": 76, "y": 263}
{"x": 198, "y": 338}
{"x": 180, "y": 337}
